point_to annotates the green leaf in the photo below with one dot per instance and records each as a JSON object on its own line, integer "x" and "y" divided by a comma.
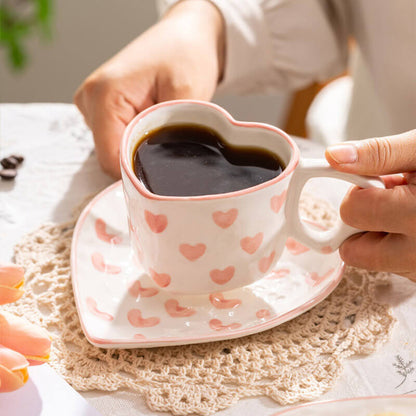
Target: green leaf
{"x": 17, "y": 54}
{"x": 44, "y": 13}
{"x": 15, "y": 28}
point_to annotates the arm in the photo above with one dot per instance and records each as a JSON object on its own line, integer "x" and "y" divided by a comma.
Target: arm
{"x": 275, "y": 45}
{"x": 179, "y": 57}
{"x": 248, "y": 45}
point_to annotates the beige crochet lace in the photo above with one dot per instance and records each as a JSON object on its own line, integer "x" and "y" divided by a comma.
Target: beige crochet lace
{"x": 299, "y": 360}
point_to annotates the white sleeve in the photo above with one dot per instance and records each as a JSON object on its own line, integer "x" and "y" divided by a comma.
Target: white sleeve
{"x": 280, "y": 44}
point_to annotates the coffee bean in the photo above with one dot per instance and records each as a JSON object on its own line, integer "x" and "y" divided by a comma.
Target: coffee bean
{"x": 19, "y": 158}
{"x": 9, "y": 162}
{"x": 13, "y": 160}
{"x": 8, "y": 174}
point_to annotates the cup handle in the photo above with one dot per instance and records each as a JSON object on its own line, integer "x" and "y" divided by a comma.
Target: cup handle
{"x": 322, "y": 241}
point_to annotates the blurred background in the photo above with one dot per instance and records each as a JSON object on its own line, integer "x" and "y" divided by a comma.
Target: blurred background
{"x": 83, "y": 34}
{"x": 63, "y": 41}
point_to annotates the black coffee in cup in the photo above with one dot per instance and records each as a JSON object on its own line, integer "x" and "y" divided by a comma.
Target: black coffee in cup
{"x": 191, "y": 160}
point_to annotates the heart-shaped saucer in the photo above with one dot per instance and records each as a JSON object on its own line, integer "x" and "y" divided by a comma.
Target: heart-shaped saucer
{"x": 120, "y": 307}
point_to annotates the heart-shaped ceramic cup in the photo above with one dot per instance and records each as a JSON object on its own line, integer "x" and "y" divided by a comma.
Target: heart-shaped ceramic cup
{"x": 213, "y": 243}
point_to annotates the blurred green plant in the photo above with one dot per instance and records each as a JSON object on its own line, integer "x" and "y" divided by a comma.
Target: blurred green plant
{"x": 20, "y": 19}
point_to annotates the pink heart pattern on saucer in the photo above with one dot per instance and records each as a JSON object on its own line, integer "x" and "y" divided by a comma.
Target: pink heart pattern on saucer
{"x": 122, "y": 306}
{"x": 136, "y": 319}
{"x": 218, "y": 300}
{"x": 136, "y": 290}
{"x": 161, "y": 279}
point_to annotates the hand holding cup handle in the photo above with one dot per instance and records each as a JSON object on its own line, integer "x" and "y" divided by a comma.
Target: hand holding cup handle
{"x": 322, "y": 241}
{"x": 191, "y": 242}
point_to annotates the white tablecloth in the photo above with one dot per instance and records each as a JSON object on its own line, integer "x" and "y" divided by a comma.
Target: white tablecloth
{"x": 61, "y": 169}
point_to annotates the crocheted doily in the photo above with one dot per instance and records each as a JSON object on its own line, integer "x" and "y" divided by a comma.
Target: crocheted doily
{"x": 298, "y": 360}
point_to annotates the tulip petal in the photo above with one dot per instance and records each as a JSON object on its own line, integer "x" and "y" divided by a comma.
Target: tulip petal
{"x": 12, "y": 360}
{"x": 10, "y": 381}
{"x": 9, "y": 294}
{"x": 22, "y": 336}
{"x": 11, "y": 275}
{"x": 13, "y": 370}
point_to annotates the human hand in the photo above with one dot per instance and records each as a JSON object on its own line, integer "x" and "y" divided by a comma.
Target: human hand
{"x": 179, "y": 57}
{"x": 388, "y": 215}
{"x": 21, "y": 342}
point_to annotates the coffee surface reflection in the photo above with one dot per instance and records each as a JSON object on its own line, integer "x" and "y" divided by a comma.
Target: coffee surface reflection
{"x": 192, "y": 160}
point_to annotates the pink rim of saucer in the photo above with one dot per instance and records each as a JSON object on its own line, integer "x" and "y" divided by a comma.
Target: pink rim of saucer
{"x": 350, "y": 399}
{"x": 182, "y": 340}
{"x": 127, "y": 165}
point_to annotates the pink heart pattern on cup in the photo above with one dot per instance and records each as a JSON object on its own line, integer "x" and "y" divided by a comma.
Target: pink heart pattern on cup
{"x": 99, "y": 264}
{"x": 251, "y": 244}
{"x": 225, "y": 219}
{"x": 157, "y": 223}
{"x": 101, "y": 231}
{"x": 161, "y": 279}
{"x": 176, "y": 311}
{"x": 219, "y": 302}
{"x": 327, "y": 250}
{"x": 266, "y": 262}
{"x": 295, "y": 247}
{"x": 136, "y": 290}
{"x": 136, "y": 319}
{"x": 92, "y": 307}
{"x": 192, "y": 252}
{"x": 221, "y": 277}
{"x": 277, "y": 201}
{"x": 217, "y": 325}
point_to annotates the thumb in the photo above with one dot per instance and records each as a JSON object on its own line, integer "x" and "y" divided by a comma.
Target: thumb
{"x": 377, "y": 156}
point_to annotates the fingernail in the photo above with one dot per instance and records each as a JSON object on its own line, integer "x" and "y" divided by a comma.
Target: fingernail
{"x": 343, "y": 153}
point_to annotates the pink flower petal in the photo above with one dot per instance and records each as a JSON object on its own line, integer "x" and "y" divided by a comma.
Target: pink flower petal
{"x": 11, "y": 275}
{"x": 9, "y": 294}
{"x": 22, "y": 336}
{"x": 13, "y": 370}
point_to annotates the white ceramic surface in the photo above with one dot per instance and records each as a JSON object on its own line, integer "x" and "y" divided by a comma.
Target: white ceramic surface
{"x": 120, "y": 306}
{"x": 360, "y": 406}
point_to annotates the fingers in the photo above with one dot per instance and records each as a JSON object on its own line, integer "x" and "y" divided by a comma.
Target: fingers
{"x": 179, "y": 57}
{"x": 387, "y": 210}
{"x": 410, "y": 178}
{"x": 380, "y": 252}
{"x": 107, "y": 129}
{"x": 107, "y": 113}
{"x": 378, "y": 156}
{"x": 390, "y": 181}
